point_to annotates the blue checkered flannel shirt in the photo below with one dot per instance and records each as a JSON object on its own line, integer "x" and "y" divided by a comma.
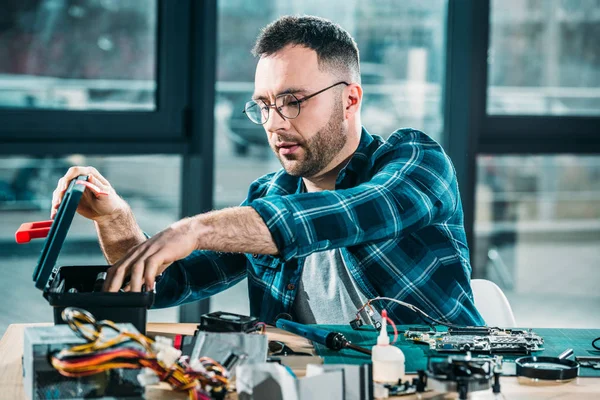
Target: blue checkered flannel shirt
{"x": 395, "y": 214}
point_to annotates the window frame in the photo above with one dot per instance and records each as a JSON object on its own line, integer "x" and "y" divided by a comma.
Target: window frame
{"x": 465, "y": 97}
{"x": 26, "y": 131}
{"x": 470, "y": 131}
{"x": 540, "y": 135}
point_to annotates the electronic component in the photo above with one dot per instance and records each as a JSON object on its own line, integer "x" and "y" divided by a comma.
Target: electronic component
{"x": 484, "y": 340}
{"x": 461, "y": 374}
{"x": 429, "y": 320}
{"x": 221, "y": 321}
{"x": 230, "y": 348}
{"x": 108, "y": 348}
{"x": 356, "y": 323}
{"x": 385, "y": 390}
{"x": 588, "y": 361}
{"x": 42, "y": 381}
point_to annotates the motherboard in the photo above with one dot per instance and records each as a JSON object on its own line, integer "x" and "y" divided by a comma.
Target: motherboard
{"x": 479, "y": 340}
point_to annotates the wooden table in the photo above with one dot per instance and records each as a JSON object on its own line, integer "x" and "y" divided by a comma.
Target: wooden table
{"x": 11, "y": 379}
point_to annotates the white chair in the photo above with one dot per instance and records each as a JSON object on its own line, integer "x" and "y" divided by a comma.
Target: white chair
{"x": 492, "y": 304}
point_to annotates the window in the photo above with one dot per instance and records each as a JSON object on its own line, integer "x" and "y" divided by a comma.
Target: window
{"x": 538, "y": 235}
{"x": 85, "y": 55}
{"x": 544, "y": 58}
{"x": 402, "y": 67}
{"x": 26, "y": 186}
{"x": 109, "y": 71}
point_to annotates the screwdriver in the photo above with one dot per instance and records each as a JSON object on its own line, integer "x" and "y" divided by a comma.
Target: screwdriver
{"x": 332, "y": 340}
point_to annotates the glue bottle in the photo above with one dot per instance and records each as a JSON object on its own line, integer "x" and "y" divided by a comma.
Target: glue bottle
{"x": 388, "y": 361}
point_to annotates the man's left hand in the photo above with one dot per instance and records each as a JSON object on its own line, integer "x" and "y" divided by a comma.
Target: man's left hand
{"x": 150, "y": 258}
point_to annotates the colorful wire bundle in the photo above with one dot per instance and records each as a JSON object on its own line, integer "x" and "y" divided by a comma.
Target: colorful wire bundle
{"x": 135, "y": 351}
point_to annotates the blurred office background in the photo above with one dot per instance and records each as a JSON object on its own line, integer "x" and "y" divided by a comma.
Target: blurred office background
{"x": 150, "y": 92}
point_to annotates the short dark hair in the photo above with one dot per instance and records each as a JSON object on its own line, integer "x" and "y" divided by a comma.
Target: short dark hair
{"x": 336, "y": 49}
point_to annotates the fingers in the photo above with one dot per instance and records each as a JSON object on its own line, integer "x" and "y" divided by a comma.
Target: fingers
{"x": 97, "y": 175}
{"x": 144, "y": 272}
{"x": 57, "y": 196}
{"x": 95, "y": 189}
{"x": 115, "y": 276}
{"x": 137, "y": 274}
{"x": 140, "y": 269}
{"x": 148, "y": 259}
{"x": 152, "y": 269}
{"x": 101, "y": 184}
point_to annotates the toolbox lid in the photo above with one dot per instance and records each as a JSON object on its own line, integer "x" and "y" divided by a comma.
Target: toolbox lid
{"x": 45, "y": 270}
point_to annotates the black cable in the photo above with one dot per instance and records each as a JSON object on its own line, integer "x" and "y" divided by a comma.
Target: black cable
{"x": 429, "y": 320}
{"x": 594, "y": 343}
{"x": 424, "y": 316}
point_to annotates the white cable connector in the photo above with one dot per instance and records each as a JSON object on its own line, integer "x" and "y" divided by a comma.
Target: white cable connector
{"x": 197, "y": 366}
{"x": 165, "y": 352}
{"x": 161, "y": 341}
{"x": 147, "y": 377}
{"x": 168, "y": 356}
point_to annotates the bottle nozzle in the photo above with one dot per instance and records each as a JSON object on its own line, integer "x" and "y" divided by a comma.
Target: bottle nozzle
{"x": 383, "y": 338}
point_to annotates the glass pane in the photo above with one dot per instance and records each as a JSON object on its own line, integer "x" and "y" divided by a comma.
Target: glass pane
{"x": 402, "y": 67}
{"x": 84, "y": 55}
{"x": 538, "y": 236}
{"x": 26, "y": 186}
{"x": 544, "y": 57}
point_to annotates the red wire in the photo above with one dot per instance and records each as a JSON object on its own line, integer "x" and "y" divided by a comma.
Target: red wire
{"x": 389, "y": 320}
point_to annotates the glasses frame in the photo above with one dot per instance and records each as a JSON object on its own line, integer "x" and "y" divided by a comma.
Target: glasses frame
{"x": 299, "y": 101}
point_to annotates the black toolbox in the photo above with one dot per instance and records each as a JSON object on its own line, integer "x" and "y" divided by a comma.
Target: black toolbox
{"x": 74, "y": 286}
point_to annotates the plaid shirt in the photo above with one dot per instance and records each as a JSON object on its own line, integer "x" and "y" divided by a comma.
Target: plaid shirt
{"x": 395, "y": 214}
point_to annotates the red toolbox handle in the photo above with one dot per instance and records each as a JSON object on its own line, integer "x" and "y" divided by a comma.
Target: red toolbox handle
{"x": 33, "y": 230}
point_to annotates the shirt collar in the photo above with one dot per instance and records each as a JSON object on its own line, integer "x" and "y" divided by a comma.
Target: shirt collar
{"x": 360, "y": 159}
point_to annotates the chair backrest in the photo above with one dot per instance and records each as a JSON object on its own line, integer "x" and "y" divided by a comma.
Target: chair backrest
{"x": 492, "y": 304}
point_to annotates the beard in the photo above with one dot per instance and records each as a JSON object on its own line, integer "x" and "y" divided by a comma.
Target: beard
{"x": 319, "y": 150}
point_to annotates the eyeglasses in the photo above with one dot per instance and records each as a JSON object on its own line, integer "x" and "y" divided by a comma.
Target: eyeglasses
{"x": 286, "y": 105}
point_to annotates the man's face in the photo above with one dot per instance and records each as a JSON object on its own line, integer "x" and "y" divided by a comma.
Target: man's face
{"x": 307, "y": 144}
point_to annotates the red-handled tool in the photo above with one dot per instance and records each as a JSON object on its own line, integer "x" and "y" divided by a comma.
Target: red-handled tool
{"x": 40, "y": 229}
{"x": 32, "y": 230}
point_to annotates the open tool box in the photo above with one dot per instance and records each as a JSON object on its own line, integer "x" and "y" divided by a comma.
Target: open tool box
{"x": 78, "y": 285}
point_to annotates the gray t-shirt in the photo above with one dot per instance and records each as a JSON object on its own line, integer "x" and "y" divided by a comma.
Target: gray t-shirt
{"x": 327, "y": 293}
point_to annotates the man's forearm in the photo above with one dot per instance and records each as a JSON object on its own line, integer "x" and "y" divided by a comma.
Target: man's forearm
{"x": 237, "y": 230}
{"x": 118, "y": 235}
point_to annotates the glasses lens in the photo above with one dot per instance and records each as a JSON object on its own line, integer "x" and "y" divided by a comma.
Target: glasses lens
{"x": 256, "y": 113}
{"x": 288, "y": 105}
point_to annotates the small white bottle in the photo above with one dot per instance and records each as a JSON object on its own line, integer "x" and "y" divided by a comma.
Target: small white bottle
{"x": 388, "y": 361}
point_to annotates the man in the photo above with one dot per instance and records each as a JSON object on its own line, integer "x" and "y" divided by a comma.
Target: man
{"x": 349, "y": 217}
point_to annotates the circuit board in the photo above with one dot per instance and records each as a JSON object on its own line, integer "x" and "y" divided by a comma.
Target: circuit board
{"x": 479, "y": 340}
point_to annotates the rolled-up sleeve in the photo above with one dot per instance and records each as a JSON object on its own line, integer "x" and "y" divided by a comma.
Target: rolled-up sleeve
{"x": 415, "y": 187}
{"x": 199, "y": 275}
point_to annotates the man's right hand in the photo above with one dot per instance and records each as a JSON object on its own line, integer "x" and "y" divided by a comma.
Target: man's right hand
{"x": 92, "y": 205}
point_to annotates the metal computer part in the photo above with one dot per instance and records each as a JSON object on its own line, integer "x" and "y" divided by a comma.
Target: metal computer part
{"x": 42, "y": 381}
{"x": 245, "y": 348}
{"x": 485, "y": 340}
{"x": 461, "y": 374}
